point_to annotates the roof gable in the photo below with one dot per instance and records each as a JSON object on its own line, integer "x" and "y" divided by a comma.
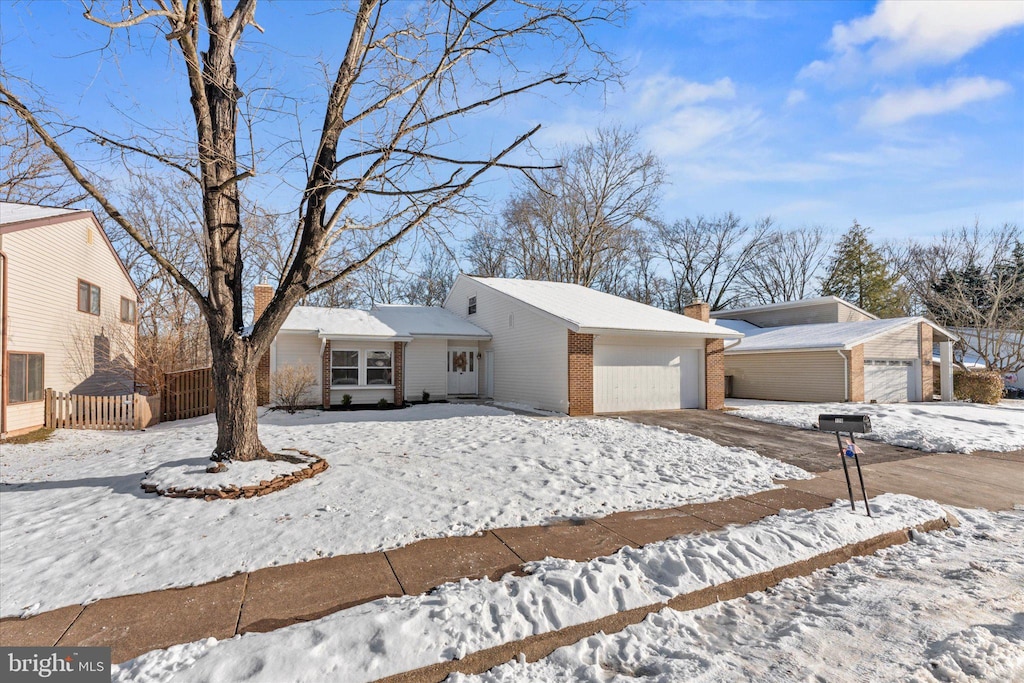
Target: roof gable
{"x": 589, "y": 311}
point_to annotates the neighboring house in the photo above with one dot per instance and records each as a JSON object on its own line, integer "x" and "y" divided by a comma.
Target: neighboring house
{"x": 827, "y": 349}
{"x": 67, "y": 312}
{"x": 553, "y": 346}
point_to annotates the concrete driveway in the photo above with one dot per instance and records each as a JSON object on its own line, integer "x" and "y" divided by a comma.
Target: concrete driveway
{"x": 812, "y": 451}
{"x": 981, "y": 479}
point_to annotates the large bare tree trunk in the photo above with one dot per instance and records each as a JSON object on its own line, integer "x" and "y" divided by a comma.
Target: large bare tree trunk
{"x": 234, "y": 377}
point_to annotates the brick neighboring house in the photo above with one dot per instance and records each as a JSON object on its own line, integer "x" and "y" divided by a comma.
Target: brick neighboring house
{"x": 67, "y": 312}
{"x": 827, "y": 349}
{"x": 547, "y": 345}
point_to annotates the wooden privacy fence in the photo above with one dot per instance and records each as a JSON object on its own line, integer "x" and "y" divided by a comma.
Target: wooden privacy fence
{"x": 187, "y": 393}
{"x": 75, "y": 411}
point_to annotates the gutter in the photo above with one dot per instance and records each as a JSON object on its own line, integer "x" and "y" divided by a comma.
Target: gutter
{"x": 3, "y": 343}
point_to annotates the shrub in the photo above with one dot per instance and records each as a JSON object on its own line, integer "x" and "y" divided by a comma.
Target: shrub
{"x": 382, "y": 404}
{"x": 426, "y": 396}
{"x": 290, "y": 385}
{"x": 979, "y": 386}
{"x": 346, "y": 401}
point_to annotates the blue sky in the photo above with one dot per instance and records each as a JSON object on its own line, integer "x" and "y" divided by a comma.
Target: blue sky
{"x": 906, "y": 116}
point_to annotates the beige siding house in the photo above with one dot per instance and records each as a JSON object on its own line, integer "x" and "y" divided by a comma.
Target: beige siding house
{"x": 827, "y": 349}
{"x": 67, "y": 309}
{"x": 551, "y": 346}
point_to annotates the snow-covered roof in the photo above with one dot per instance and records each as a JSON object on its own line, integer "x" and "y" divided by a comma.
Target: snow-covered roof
{"x": 427, "y": 321}
{"x": 589, "y": 311}
{"x": 397, "y": 323}
{"x": 734, "y": 312}
{"x": 737, "y": 325}
{"x": 11, "y": 212}
{"x": 824, "y": 336}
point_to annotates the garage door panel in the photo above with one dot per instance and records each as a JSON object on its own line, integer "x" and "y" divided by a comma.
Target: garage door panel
{"x": 890, "y": 381}
{"x": 630, "y": 377}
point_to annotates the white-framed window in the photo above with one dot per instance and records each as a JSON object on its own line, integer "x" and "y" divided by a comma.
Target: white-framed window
{"x": 344, "y": 367}
{"x": 472, "y": 305}
{"x": 378, "y": 367}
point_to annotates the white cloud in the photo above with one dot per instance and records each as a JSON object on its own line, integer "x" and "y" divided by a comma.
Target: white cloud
{"x": 692, "y": 128}
{"x": 669, "y": 92}
{"x": 902, "y": 105}
{"x": 795, "y": 97}
{"x": 903, "y": 34}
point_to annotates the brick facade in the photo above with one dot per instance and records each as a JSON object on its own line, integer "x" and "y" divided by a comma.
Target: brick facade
{"x": 924, "y": 338}
{"x": 325, "y": 383}
{"x": 714, "y": 359}
{"x": 855, "y": 373}
{"x": 398, "y": 373}
{"x": 581, "y": 374}
{"x": 714, "y": 374}
{"x": 262, "y": 294}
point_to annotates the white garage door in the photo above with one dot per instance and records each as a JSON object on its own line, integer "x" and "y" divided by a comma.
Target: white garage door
{"x": 645, "y": 377}
{"x": 890, "y": 381}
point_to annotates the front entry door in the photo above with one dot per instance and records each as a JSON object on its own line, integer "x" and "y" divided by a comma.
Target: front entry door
{"x": 462, "y": 365}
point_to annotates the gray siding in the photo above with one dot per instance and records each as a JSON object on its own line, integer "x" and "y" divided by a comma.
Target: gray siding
{"x": 830, "y": 312}
{"x": 803, "y": 376}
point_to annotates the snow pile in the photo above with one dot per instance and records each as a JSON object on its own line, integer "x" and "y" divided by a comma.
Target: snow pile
{"x": 191, "y": 473}
{"x": 948, "y": 607}
{"x": 76, "y": 526}
{"x": 931, "y": 427}
{"x": 392, "y": 635}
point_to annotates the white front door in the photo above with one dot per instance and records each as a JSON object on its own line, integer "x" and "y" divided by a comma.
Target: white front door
{"x": 462, "y": 366}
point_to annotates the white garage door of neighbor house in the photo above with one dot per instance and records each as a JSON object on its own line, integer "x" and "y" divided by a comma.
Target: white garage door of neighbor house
{"x": 890, "y": 381}
{"x": 645, "y": 378}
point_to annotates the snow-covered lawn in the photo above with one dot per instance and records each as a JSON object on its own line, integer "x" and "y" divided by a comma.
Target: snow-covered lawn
{"x": 76, "y": 526}
{"x": 932, "y": 427}
{"x": 392, "y": 635}
{"x": 948, "y": 607}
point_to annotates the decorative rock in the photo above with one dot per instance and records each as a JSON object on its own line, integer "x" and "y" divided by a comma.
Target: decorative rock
{"x": 234, "y": 492}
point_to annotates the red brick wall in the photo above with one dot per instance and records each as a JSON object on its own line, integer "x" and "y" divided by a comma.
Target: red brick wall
{"x": 325, "y": 382}
{"x": 262, "y": 294}
{"x": 855, "y": 373}
{"x": 714, "y": 374}
{"x": 398, "y": 373}
{"x": 924, "y": 336}
{"x": 581, "y": 374}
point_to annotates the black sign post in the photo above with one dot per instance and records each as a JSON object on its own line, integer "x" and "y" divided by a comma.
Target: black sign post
{"x": 838, "y": 424}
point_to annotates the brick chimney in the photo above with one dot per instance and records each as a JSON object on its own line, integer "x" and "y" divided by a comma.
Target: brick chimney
{"x": 714, "y": 359}
{"x": 699, "y": 310}
{"x": 262, "y": 294}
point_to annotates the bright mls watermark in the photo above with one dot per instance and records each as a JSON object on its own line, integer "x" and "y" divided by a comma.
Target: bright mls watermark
{"x": 55, "y": 664}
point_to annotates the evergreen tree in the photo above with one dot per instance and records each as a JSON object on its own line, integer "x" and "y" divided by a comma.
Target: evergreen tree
{"x": 860, "y": 274}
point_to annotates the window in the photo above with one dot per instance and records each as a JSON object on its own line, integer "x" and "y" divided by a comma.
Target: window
{"x": 472, "y": 305}
{"x": 127, "y": 310}
{"x": 378, "y": 367}
{"x": 88, "y": 297}
{"x": 344, "y": 368}
{"x": 25, "y": 382}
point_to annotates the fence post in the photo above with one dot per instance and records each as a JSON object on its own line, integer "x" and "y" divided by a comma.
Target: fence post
{"x": 47, "y": 404}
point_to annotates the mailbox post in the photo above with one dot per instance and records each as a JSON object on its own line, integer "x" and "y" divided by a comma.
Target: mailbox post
{"x": 837, "y": 424}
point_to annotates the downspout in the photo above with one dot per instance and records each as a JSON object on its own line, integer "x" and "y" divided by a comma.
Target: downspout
{"x": 3, "y": 342}
{"x": 846, "y": 376}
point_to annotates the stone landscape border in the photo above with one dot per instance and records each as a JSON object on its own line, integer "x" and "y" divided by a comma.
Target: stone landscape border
{"x": 534, "y": 648}
{"x": 232, "y": 492}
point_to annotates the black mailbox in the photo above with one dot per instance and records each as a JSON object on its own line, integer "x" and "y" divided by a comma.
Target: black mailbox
{"x": 851, "y": 424}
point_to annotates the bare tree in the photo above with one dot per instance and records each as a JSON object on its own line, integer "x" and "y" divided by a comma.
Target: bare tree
{"x": 972, "y": 280}
{"x": 29, "y": 172}
{"x": 706, "y": 256}
{"x": 575, "y": 223}
{"x": 787, "y": 266}
{"x": 430, "y": 284}
{"x": 410, "y": 80}
{"x": 486, "y": 251}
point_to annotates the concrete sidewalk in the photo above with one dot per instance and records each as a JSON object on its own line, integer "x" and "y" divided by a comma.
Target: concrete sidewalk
{"x": 274, "y": 597}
